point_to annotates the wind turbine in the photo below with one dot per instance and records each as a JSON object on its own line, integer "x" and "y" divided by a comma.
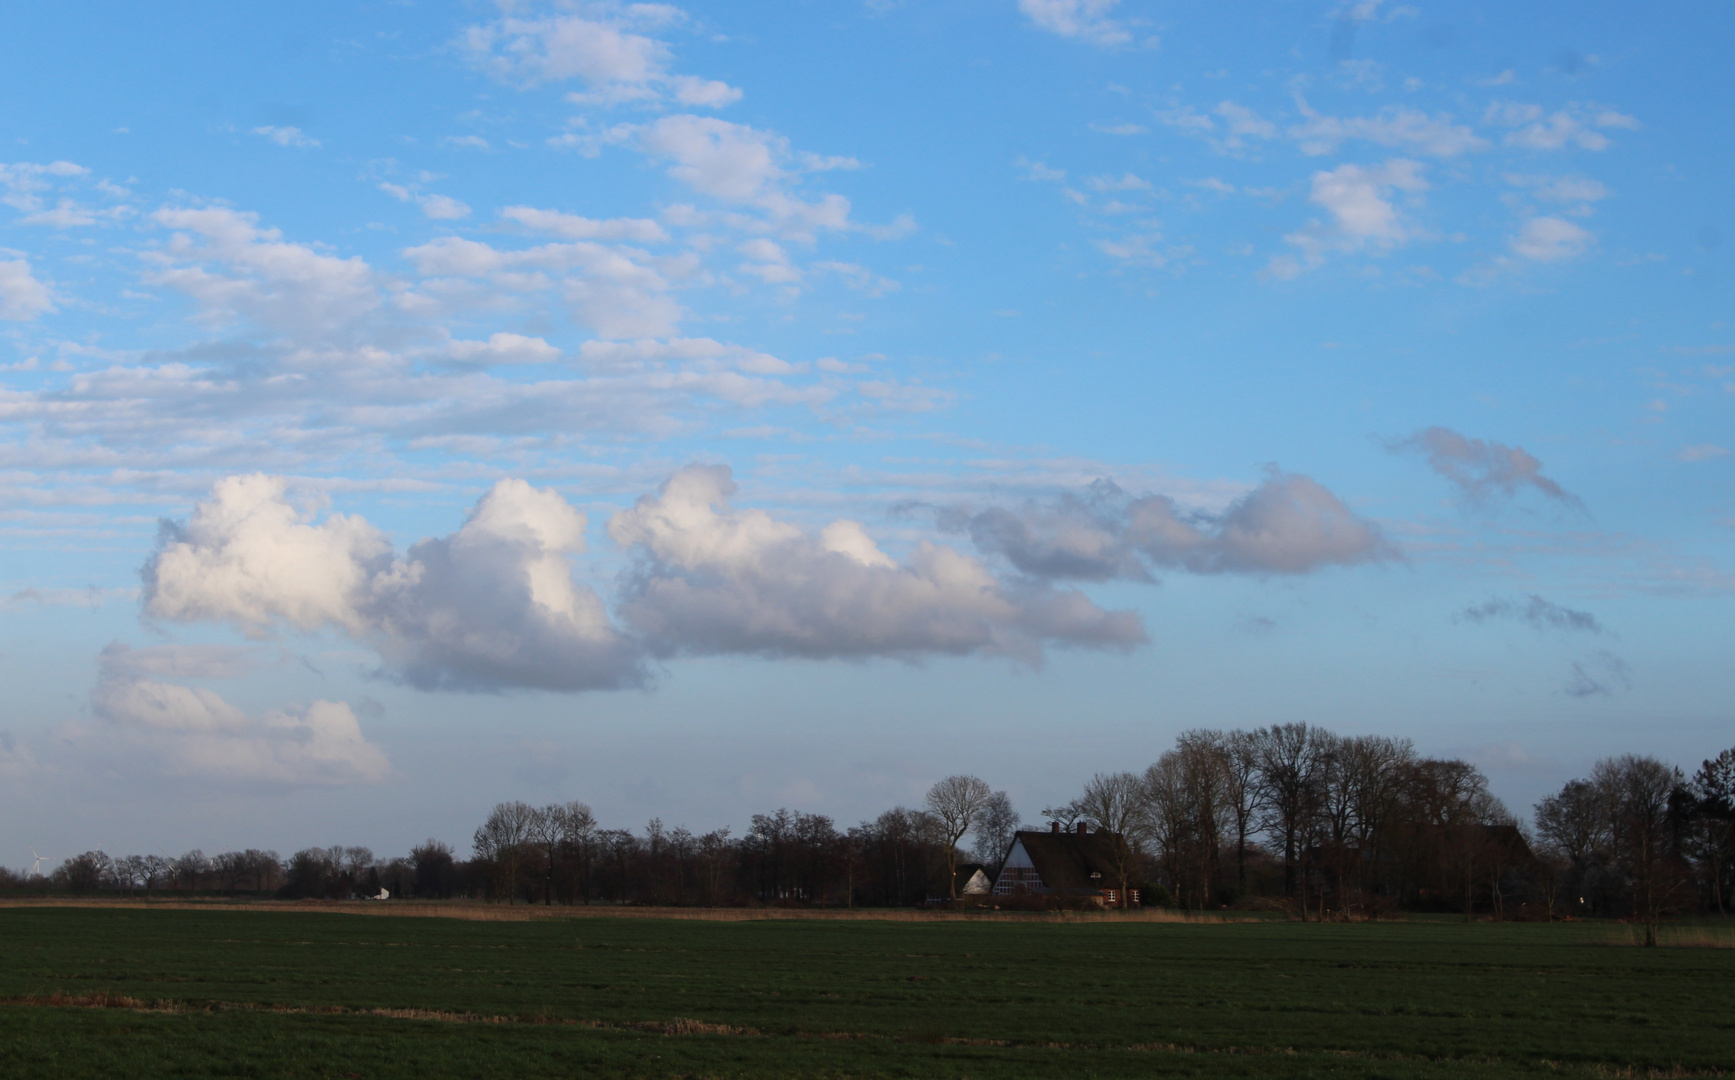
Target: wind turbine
{"x": 36, "y": 868}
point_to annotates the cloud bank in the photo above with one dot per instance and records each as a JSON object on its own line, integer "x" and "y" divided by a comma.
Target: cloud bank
{"x": 713, "y": 580}
{"x": 494, "y": 606}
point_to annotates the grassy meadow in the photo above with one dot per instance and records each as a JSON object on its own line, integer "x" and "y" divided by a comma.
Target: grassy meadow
{"x": 150, "y": 992}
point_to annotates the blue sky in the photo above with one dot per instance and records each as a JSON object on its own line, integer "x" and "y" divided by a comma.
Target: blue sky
{"x": 696, "y": 410}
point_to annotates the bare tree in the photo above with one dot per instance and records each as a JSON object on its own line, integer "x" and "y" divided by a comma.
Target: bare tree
{"x": 1574, "y": 834}
{"x": 578, "y": 832}
{"x": 994, "y": 831}
{"x": 1169, "y": 819}
{"x": 1640, "y": 791}
{"x": 1291, "y": 768}
{"x": 544, "y": 831}
{"x": 500, "y": 841}
{"x": 957, "y": 801}
{"x": 1207, "y": 778}
{"x": 1244, "y": 794}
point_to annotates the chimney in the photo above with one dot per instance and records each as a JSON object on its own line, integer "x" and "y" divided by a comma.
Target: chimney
{"x": 1083, "y": 828}
{"x": 1054, "y": 826}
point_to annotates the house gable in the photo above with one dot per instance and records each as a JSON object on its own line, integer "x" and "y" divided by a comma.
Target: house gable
{"x": 1068, "y": 864}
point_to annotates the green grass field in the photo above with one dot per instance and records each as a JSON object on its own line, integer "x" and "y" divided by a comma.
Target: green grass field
{"x": 270, "y": 993}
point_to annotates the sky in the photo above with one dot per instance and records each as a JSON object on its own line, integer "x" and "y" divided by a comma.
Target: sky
{"x": 699, "y": 410}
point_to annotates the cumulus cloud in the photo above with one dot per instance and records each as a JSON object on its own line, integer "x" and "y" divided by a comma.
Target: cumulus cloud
{"x": 491, "y": 606}
{"x": 22, "y": 296}
{"x": 1364, "y": 217}
{"x": 1536, "y": 611}
{"x": 1289, "y": 524}
{"x": 193, "y": 731}
{"x": 1085, "y": 20}
{"x": 1481, "y": 468}
{"x": 606, "y": 49}
{"x": 249, "y": 557}
{"x": 494, "y": 604}
{"x": 712, "y": 579}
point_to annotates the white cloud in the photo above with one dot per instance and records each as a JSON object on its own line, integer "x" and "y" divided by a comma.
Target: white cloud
{"x": 491, "y": 606}
{"x": 616, "y": 291}
{"x": 287, "y": 136}
{"x": 236, "y": 270}
{"x": 715, "y": 580}
{"x": 438, "y": 207}
{"x": 444, "y": 208}
{"x": 1702, "y": 452}
{"x": 1123, "y": 182}
{"x": 1574, "y": 126}
{"x": 603, "y": 49}
{"x": 22, "y": 296}
{"x": 1551, "y": 239}
{"x": 1394, "y": 126}
{"x": 25, "y": 181}
{"x": 574, "y": 227}
{"x": 192, "y": 731}
{"x": 1135, "y": 250}
{"x": 1227, "y": 128}
{"x": 501, "y": 348}
{"x": 248, "y": 557}
{"x": 1561, "y": 189}
{"x": 859, "y": 277}
{"x": 1086, "y": 20}
{"x": 1363, "y": 215}
{"x": 1036, "y": 170}
{"x": 735, "y": 163}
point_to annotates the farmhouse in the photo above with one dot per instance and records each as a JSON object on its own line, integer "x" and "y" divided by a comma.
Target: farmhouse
{"x": 1078, "y": 864}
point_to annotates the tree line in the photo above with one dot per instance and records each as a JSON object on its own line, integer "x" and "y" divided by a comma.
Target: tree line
{"x": 1290, "y": 815}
